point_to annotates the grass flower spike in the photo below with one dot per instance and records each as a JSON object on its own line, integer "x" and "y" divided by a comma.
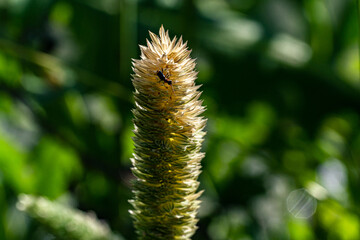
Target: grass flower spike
{"x": 168, "y": 137}
{"x": 65, "y": 222}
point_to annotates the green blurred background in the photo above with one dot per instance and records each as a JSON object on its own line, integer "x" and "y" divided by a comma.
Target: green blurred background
{"x": 280, "y": 82}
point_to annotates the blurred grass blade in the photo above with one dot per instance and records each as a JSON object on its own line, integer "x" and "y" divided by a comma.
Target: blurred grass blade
{"x": 57, "y": 67}
{"x": 358, "y": 15}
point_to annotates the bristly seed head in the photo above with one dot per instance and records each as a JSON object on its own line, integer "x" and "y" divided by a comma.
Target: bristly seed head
{"x": 168, "y": 136}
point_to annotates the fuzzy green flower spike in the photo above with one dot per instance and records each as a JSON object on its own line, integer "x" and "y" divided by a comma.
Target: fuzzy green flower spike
{"x": 168, "y": 136}
{"x": 64, "y": 222}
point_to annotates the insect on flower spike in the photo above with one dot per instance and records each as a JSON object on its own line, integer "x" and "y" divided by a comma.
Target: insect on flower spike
{"x": 162, "y": 77}
{"x": 168, "y": 139}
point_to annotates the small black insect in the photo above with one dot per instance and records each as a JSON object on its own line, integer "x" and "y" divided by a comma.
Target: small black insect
{"x": 162, "y": 77}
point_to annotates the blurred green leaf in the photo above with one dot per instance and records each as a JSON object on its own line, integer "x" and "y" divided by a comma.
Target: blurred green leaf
{"x": 13, "y": 167}
{"x": 55, "y": 166}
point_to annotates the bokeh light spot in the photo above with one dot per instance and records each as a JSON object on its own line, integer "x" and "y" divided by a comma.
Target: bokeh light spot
{"x": 301, "y": 204}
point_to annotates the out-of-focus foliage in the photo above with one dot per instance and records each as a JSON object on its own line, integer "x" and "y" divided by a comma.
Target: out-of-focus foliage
{"x": 280, "y": 81}
{"x": 64, "y": 222}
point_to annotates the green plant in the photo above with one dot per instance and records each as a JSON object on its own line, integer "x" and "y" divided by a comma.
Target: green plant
{"x": 168, "y": 136}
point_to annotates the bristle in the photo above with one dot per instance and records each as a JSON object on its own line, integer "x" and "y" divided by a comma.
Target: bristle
{"x": 168, "y": 136}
